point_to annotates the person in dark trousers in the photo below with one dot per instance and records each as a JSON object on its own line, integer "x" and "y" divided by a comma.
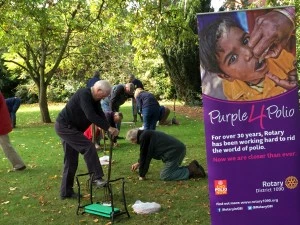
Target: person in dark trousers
{"x": 13, "y": 105}
{"x": 149, "y": 107}
{"x": 80, "y": 112}
{"x": 118, "y": 96}
{"x": 164, "y": 113}
{"x": 90, "y": 83}
{"x": 161, "y": 146}
{"x": 137, "y": 84}
{"x": 5, "y": 129}
{"x": 94, "y": 79}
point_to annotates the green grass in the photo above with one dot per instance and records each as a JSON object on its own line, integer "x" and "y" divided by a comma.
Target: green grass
{"x": 32, "y": 196}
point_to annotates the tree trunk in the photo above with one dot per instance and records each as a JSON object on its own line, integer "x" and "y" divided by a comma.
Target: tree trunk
{"x": 43, "y": 103}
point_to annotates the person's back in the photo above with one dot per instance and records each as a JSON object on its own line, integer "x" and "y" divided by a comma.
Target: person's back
{"x": 80, "y": 110}
{"x": 146, "y": 99}
{"x": 119, "y": 94}
{"x": 163, "y": 146}
{"x": 136, "y": 82}
{"x": 13, "y": 105}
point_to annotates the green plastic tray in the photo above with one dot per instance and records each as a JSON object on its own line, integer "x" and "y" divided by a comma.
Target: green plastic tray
{"x": 100, "y": 210}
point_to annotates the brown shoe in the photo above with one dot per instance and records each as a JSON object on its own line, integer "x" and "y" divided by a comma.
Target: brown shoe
{"x": 196, "y": 170}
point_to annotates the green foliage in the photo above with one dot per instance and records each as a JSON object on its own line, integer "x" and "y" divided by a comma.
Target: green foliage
{"x": 27, "y": 92}
{"x": 168, "y": 29}
{"x": 6, "y": 84}
{"x": 32, "y": 196}
{"x": 246, "y": 4}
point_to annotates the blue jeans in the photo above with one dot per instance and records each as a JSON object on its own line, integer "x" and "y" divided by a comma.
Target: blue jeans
{"x": 150, "y": 117}
{"x": 105, "y": 105}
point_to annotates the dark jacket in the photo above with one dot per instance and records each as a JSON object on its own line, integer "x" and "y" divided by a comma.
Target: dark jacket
{"x": 92, "y": 81}
{"x": 13, "y": 104}
{"x": 118, "y": 97}
{"x": 137, "y": 83}
{"x": 146, "y": 99}
{"x": 82, "y": 110}
{"x": 156, "y": 145}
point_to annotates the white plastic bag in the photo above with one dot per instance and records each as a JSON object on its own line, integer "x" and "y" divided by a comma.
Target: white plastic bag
{"x": 145, "y": 207}
{"x": 104, "y": 160}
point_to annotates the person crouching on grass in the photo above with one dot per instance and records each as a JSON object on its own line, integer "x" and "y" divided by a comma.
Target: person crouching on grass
{"x": 160, "y": 146}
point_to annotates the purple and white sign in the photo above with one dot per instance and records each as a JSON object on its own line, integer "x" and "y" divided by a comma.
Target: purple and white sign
{"x": 251, "y": 116}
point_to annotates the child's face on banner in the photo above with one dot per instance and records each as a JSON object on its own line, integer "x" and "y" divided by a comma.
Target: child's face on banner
{"x": 237, "y": 60}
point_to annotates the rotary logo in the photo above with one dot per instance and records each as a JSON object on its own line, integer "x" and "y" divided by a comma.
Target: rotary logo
{"x": 291, "y": 182}
{"x": 220, "y": 187}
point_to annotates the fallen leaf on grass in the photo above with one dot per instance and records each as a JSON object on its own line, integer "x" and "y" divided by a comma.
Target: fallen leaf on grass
{"x": 42, "y": 200}
{"x": 12, "y": 188}
{"x": 5, "y": 203}
{"x": 54, "y": 177}
{"x": 25, "y": 197}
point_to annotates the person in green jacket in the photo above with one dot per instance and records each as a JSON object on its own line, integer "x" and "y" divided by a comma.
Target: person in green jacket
{"x": 161, "y": 146}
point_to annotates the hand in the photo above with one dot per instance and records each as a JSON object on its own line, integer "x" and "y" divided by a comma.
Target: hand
{"x": 142, "y": 178}
{"x": 287, "y": 84}
{"x": 113, "y": 131}
{"x": 270, "y": 34}
{"x": 135, "y": 166}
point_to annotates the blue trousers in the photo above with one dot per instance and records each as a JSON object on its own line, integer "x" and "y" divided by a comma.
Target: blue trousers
{"x": 150, "y": 117}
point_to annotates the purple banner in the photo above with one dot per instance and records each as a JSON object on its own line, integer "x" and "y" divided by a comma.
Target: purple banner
{"x": 251, "y": 122}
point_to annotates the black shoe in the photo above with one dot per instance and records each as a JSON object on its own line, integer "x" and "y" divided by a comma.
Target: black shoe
{"x": 20, "y": 169}
{"x": 72, "y": 196}
{"x": 99, "y": 183}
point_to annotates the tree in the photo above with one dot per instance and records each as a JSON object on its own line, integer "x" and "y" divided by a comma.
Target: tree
{"x": 39, "y": 34}
{"x": 169, "y": 29}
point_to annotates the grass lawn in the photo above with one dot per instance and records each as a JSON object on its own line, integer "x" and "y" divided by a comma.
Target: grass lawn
{"x": 32, "y": 196}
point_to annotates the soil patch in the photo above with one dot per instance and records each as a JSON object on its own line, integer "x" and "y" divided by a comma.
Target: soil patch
{"x": 195, "y": 112}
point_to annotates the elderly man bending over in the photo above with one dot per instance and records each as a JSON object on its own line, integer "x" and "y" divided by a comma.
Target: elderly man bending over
{"x": 161, "y": 146}
{"x": 81, "y": 111}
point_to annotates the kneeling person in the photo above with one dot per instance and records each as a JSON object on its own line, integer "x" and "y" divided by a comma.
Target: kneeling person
{"x": 161, "y": 146}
